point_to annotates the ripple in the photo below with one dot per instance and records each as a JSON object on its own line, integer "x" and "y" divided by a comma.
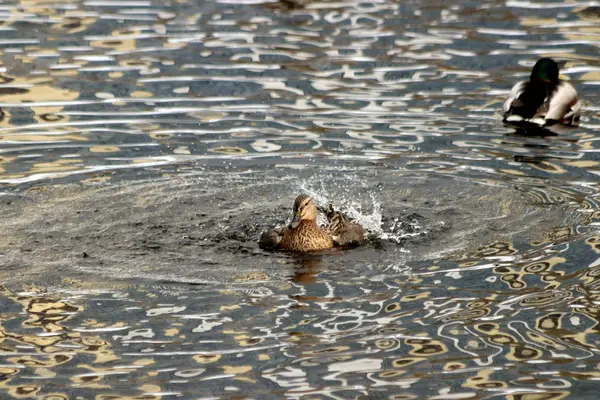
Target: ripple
{"x": 144, "y": 147}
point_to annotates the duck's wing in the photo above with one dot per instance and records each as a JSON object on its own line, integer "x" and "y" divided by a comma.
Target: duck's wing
{"x": 575, "y": 110}
{"x": 572, "y": 117}
{"x": 337, "y": 221}
{"x": 271, "y": 238}
{"x": 350, "y": 235}
{"x": 343, "y": 232}
{"x": 564, "y": 103}
{"x": 512, "y": 101}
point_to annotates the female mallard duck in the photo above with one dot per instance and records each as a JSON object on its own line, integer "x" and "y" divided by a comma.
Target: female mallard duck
{"x": 302, "y": 234}
{"x": 544, "y": 99}
{"x": 344, "y": 233}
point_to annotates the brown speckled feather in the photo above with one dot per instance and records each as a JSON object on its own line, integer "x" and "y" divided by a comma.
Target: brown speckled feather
{"x": 344, "y": 233}
{"x": 271, "y": 238}
{"x": 307, "y": 236}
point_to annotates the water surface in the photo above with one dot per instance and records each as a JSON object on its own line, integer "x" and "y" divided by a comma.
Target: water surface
{"x": 145, "y": 145}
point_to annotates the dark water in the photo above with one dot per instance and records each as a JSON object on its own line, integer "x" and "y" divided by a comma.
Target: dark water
{"x": 145, "y": 145}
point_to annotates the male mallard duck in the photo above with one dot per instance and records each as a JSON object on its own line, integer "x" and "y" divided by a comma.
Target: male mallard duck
{"x": 302, "y": 234}
{"x": 543, "y": 99}
{"x": 344, "y": 233}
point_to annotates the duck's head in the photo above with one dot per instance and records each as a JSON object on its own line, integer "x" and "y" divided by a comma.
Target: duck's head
{"x": 545, "y": 70}
{"x": 337, "y": 220}
{"x": 304, "y": 209}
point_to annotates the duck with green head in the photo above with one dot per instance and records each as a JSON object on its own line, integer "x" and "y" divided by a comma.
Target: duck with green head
{"x": 544, "y": 99}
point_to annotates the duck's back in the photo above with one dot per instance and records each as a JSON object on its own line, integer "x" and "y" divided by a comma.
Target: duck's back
{"x": 270, "y": 239}
{"x": 552, "y": 102}
{"x": 344, "y": 233}
{"x": 563, "y": 104}
{"x": 307, "y": 236}
{"x": 528, "y": 99}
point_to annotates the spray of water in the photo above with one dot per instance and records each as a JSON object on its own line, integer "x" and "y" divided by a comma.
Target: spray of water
{"x": 353, "y": 196}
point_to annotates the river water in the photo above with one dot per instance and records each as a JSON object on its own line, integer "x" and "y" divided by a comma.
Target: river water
{"x": 144, "y": 145}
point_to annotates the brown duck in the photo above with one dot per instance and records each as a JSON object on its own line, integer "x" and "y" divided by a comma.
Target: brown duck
{"x": 343, "y": 232}
{"x": 303, "y": 233}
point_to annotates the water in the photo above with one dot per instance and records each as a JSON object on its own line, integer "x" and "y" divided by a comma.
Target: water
{"x": 145, "y": 145}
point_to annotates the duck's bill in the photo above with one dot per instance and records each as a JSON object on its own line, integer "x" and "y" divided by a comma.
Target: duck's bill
{"x": 295, "y": 220}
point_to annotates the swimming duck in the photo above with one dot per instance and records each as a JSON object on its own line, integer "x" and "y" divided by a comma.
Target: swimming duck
{"x": 343, "y": 232}
{"x": 544, "y": 99}
{"x": 302, "y": 234}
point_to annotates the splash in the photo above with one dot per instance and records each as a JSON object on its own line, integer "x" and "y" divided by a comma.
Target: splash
{"x": 365, "y": 210}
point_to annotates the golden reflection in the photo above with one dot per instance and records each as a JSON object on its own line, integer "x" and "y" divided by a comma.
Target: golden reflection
{"x": 54, "y": 396}
{"x": 43, "y": 332}
{"x": 515, "y": 277}
{"x": 514, "y": 281}
{"x": 36, "y": 90}
{"x": 104, "y": 82}
{"x": 23, "y": 391}
{"x": 236, "y": 370}
{"x": 387, "y": 344}
{"x": 537, "y": 21}
{"x": 206, "y": 359}
{"x": 119, "y": 40}
{"x": 426, "y": 347}
{"x": 64, "y": 165}
{"x": 228, "y": 150}
{"x": 406, "y": 361}
{"x": 546, "y": 166}
{"x": 594, "y": 243}
{"x": 74, "y": 23}
{"x": 483, "y": 381}
{"x": 550, "y": 322}
{"x": 545, "y": 341}
{"x": 523, "y": 353}
{"x": 147, "y": 395}
{"x": 454, "y": 366}
{"x": 104, "y": 149}
{"x": 12, "y": 138}
{"x": 328, "y": 350}
{"x": 558, "y": 235}
{"x": 496, "y": 249}
{"x": 539, "y": 396}
{"x": 415, "y": 297}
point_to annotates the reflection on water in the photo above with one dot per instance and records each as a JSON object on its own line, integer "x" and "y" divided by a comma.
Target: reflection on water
{"x": 144, "y": 146}
{"x": 333, "y": 333}
{"x": 95, "y": 87}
